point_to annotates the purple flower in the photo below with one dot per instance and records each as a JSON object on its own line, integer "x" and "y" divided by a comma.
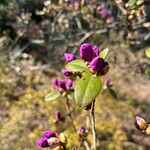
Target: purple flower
{"x": 69, "y": 84}
{"x": 55, "y": 81}
{"x": 58, "y": 115}
{"x": 66, "y": 73}
{"x": 69, "y": 57}
{"x": 62, "y": 84}
{"x": 42, "y": 143}
{"x": 96, "y": 51}
{"x": 99, "y": 65}
{"x": 48, "y": 134}
{"x": 103, "y": 11}
{"x": 86, "y": 52}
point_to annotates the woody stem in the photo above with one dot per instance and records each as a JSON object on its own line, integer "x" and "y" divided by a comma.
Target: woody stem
{"x": 67, "y": 104}
{"x": 92, "y": 123}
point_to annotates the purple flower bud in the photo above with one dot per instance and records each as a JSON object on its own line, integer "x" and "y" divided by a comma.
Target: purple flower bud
{"x": 42, "y": 143}
{"x": 48, "y": 134}
{"x": 140, "y": 123}
{"x": 66, "y": 73}
{"x": 86, "y": 52}
{"x": 103, "y": 11}
{"x": 96, "y": 51}
{"x": 69, "y": 57}
{"x": 99, "y": 65}
{"x": 69, "y": 84}
{"x": 55, "y": 81}
{"x": 81, "y": 130}
{"x": 62, "y": 84}
{"x": 58, "y": 115}
{"x": 138, "y": 119}
{"x": 107, "y": 82}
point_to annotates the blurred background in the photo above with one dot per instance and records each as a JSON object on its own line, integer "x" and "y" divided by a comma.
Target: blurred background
{"x": 34, "y": 34}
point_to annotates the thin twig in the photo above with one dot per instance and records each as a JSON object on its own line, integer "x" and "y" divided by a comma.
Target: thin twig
{"x": 69, "y": 113}
{"x": 86, "y": 144}
{"x": 64, "y": 147}
{"x": 92, "y": 121}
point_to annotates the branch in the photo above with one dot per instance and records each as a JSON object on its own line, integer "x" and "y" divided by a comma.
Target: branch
{"x": 92, "y": 119}
{"x": 69, "y": 113}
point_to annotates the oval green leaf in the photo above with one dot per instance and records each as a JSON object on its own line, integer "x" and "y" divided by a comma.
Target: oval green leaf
{"x": 140, "y": 2}
{"x": 147, "y": 52}
{"x": 52, "y": 96}
{"x": 76, "y": 66}
{"x": 87, "y": 89}
{"x": 104, "y": 53}
{"x": 132, "y": 3}
{"x": 71, "y": 96}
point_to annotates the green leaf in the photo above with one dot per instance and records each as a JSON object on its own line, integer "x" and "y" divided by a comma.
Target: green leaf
{"x": 147, "y": 72}
{"x": 71, "y": 96}
{"x": 147, "y": 52}
{"x": 113, "y": 92}
{"x": 140, "y": 2}
{"x": 67, "y": 132}
{"x": 87, "y": 89}
{"x": 52, "y": 96}
{"x": 85, "y": 10}
{"x": 104, "y": 53}
{"x": 76, "y": 66}
{"x": 132, "y": 3}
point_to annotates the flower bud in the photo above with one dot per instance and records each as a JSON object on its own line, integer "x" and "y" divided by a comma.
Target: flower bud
{"x": 69, "y": 57}
{"x": 86, "y": 52}
{"x": 96, "y": 51}
{"x": 99, "y": 65}
{"x": 48, "y": 134}
{"x": 62, "y": 84}
{"x": 81, "y": 130}
{"x": 106, "y": 83}
{"x": 53, "y": 142}
{"x": 55, "y": 81}
{"x": 140, "y": 123}
{"x": 42, "y": 143}
{"x": 58, "y": 115}
{"x": 103, "y": 11}
{"x": 66, "y": 73}
{"x": 69, "y": 84}
{"x": 148, "y": 130}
